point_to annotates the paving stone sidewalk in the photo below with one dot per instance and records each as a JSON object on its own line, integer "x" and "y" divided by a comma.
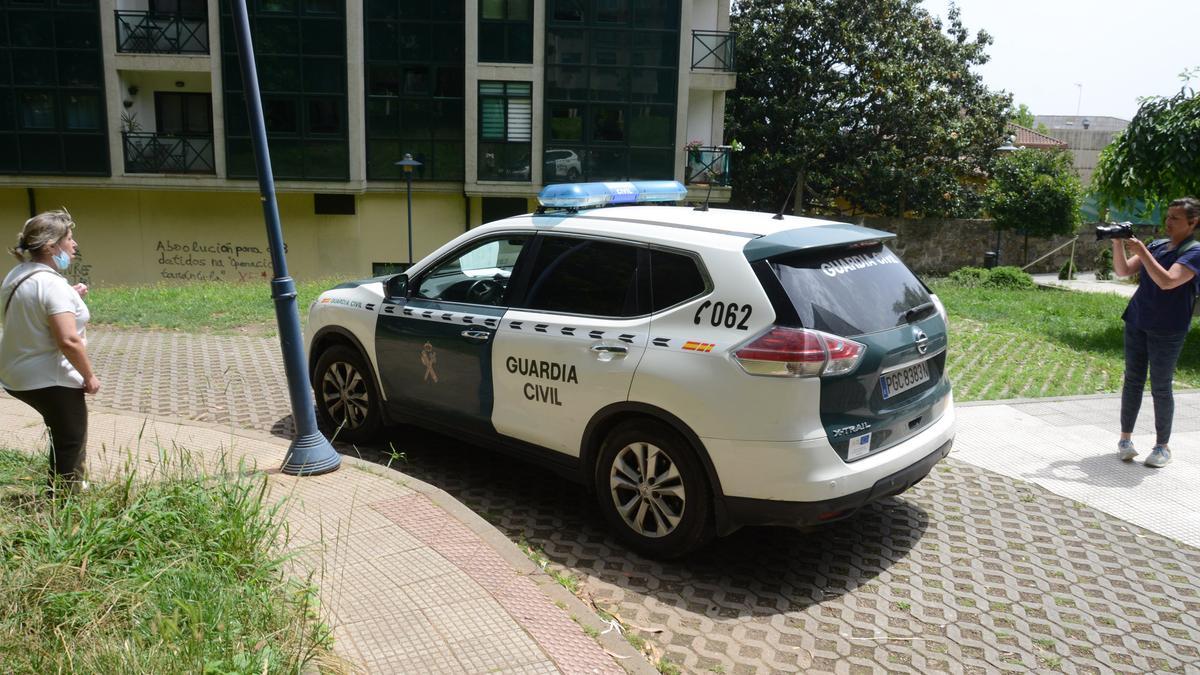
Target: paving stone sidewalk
{"x": 971, "y": 571}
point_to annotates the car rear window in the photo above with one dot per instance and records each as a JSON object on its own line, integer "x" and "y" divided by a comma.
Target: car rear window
{"x": 850, "y": 292}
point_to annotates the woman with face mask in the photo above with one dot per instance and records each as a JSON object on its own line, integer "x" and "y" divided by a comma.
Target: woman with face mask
{"x": 43, "y": 350}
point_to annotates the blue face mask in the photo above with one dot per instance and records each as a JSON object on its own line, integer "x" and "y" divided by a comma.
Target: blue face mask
{"x": 62, "y": 260}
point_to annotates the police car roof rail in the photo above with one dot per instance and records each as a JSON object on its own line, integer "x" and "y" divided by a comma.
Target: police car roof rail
{"x": 574, "y": 196}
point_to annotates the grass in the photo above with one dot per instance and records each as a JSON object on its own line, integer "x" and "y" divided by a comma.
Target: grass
{"x": 179, "y": 574}
{"x": 218, "y": 307}
{"x": 1040, "y": 342}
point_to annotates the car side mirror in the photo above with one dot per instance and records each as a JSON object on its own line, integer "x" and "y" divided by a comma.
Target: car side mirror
{"x": 397, "y": 286}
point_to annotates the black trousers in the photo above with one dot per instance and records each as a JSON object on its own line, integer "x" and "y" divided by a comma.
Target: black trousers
{"x": 65, "y": 413}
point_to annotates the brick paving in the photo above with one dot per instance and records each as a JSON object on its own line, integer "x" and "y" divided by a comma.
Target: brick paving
{"x": 971, "y": 571}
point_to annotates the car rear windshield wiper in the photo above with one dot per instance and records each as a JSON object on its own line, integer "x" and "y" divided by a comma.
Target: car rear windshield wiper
{"x": 918, "y": 311}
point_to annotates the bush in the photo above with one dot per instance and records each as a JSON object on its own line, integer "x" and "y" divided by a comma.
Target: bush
{"x": 1008, "y": 277}
{"x": 969, "y": 276}
{"x": 1067, "y": 271}
{"x": 1104, "y": 265}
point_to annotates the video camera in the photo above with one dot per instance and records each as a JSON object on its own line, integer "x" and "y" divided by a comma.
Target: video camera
{"x": 1114, "y": 231}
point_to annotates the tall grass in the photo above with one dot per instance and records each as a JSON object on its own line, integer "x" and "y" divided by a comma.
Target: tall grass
{"x": 180, "y": 573}
{"x": 196, "y": 306}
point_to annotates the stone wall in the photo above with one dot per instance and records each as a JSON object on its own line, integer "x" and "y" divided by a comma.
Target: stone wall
{"x": 935, "y": 247}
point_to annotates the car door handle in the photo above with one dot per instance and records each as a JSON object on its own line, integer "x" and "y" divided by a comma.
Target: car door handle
{"x": 476, "y": 335}
{"x": 610, "y": 349}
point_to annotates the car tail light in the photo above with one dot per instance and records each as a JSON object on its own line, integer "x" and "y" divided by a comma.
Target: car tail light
{"x": 798, "y": 352}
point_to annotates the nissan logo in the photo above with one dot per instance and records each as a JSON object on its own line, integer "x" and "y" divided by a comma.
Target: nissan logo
{"x": 921, "y": 339}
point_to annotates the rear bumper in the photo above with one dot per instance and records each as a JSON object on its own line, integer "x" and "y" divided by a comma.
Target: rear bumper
{"x": 749, "y": 511}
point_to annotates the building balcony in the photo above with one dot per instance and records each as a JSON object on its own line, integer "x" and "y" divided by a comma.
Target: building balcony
{"x": 168, "y": 153}
{"x": 707, "y": 165}
{"x": 140, "y": 32}
{"x": 713, "y": 50}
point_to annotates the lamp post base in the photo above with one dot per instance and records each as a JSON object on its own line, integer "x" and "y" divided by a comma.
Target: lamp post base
{"x": 311, "y": 455}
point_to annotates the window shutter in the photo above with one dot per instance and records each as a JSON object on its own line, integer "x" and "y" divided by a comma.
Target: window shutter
{"x": 492, "y": 126}
{"x": 520, "y": 119}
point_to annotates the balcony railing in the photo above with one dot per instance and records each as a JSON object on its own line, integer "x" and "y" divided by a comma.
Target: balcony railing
{"x": 155, "y": 153}
{"x": 707, "y": 165}
{"x": 713, "y": 50}
{"x": 156, "y": 33}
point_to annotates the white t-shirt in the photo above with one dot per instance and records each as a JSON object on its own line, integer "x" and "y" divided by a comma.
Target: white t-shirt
{"x": 29, "y": 356}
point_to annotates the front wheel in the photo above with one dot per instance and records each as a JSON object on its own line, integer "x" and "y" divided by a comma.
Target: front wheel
{"x": 347, "y": 400}
{"x": 652, "y": 490}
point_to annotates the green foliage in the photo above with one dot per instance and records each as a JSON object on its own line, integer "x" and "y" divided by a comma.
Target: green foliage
{"x": 1104, "y": 264}
{"x": 969, "y": 276}
{"x": 1067, "y": 271}
{"x": 997, "y": 277}
{"x": 1156, "y": 158}
{"x": 1034, "y": 191}
{"x": 1009, "y": 277}
{"x": 875, "y": 107}
{"x": 181, "y": 574}
{"x": 201, "y": 306}
{"x": 1021, "y": 115}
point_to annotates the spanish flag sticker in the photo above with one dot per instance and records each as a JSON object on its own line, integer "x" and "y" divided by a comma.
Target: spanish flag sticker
{"x": 693, "y": 346}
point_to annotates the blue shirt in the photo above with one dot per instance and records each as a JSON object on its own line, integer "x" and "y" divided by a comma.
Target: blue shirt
{"x": 1154, "y": 309}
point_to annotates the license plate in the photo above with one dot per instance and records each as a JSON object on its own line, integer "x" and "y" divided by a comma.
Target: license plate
{"x": 904, "y": 379}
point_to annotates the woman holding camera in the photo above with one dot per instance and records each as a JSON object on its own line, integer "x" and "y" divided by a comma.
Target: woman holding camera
{"x": 1157, "y": 321}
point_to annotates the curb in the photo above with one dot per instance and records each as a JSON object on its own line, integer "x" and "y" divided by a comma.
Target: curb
{"x": 622, "y": 652}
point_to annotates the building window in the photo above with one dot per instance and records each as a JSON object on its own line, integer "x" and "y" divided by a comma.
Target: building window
{"x": 300, "y": 49}
{"x": 183, "y": 114}
{"x": 611, "y": 75}
{"x": 505, "y": 130}
{"x": 51, "y": 89}
{"x": 416, "y": 91}
{"x": 506, "y": 31}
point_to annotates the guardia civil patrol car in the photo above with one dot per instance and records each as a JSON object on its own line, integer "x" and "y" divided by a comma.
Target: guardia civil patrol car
{"x": 697, "y": 369}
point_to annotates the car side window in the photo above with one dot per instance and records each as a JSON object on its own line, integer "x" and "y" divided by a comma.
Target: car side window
{"x": 674, "y": 278}
{"x": 584, "y": 276}
{"x": 478, "y": 275}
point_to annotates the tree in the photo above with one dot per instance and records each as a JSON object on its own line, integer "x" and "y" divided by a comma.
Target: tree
{"x": 869, "y": 106}
{"x": 1021, "y": 115}
{"x": 1036, "y": 192}
{"x": 1157, "y": 157}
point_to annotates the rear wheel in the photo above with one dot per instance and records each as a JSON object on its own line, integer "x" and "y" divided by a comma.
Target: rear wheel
{"x": 652, "y": 490}
{"x": 347, "y": 400}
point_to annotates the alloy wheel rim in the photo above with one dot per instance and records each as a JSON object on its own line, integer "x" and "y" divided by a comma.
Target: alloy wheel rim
{"x": 344, "y": 395}
{"x": 647, "y": 490}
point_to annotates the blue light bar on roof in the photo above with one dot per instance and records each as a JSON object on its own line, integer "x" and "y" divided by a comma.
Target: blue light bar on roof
{"x": 584, "y": 195}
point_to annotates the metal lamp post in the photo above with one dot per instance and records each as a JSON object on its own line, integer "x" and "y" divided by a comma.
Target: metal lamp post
{"x": 1006, "y": 148}
{"x": 310, "y": 452}
{"x": 408, "y": 163}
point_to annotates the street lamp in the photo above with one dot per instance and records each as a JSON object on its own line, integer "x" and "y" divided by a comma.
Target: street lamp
{"x": 310, "y": 453}
{"x": 408, "y": 163}
{"x": 1009, "y": 146}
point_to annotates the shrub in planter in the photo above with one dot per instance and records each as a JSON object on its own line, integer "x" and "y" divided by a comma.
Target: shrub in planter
{"x": 1008, "y": 277}
{"x": 1067, "y": 271}
{"x": 1104, "y": 264}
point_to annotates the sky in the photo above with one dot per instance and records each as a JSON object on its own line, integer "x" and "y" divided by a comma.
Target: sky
{"x": 1095, "y": 57}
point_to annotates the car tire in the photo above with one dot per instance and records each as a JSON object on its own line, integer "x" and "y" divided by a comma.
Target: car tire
{"x": 572, "y": 174}
{"x": 652, "y": 490}
{"x": 347, "y": 400}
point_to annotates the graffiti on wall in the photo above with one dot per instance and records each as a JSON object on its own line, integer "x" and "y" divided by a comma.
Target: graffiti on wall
{"x": 197, "y": 260}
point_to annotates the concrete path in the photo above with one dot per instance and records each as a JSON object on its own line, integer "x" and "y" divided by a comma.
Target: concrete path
{"x": 1087, "y": 282}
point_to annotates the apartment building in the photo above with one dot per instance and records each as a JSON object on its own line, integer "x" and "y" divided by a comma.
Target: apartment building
{"x": 131, "y": 113}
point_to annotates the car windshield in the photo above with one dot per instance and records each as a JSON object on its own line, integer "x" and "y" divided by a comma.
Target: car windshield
{"x": 852, "y": 292}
